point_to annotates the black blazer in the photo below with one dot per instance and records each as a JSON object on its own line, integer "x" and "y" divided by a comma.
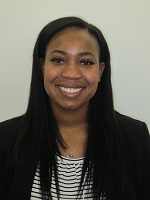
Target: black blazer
{"x": 16, "y": 178}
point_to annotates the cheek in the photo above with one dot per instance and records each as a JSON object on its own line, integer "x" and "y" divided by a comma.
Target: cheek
{"x": 47, "y": 79}
{"x": 49, "y": 75}
{"x": 93, "y": 77}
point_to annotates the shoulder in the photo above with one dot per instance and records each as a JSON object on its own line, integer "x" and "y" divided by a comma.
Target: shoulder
{"x": 9, "y": 130}
{"x": 10, "y": 125}
{"x": 135, "y": 132}
{"x": 10, "y": 122}
{"x": 129, "y": 124}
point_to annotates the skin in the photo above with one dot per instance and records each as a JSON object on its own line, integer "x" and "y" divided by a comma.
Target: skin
{"x": 71, "y": 72}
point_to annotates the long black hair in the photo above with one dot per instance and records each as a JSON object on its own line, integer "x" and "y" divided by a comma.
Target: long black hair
{"x": 104, "y": 138}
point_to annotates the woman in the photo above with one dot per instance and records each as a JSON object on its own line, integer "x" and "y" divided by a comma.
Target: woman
{"x": 71, "y": 143}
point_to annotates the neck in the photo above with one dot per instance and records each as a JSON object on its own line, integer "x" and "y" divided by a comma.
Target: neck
{"x": 73, "y": 128}
{"x": 71, "y": 120}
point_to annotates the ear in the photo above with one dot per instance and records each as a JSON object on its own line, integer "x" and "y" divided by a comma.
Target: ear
{"x": 101, "y": 69}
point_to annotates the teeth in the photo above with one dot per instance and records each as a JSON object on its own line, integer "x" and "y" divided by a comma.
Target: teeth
{"x": 70, "y": 90}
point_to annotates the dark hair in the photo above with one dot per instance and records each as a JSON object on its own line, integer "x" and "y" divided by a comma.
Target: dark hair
{"x": 104, "y": 141}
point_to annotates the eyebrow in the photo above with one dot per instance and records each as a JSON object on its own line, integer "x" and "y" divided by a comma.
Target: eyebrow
{"x": 58, "y": 51}
{"x": 80, "y": 53}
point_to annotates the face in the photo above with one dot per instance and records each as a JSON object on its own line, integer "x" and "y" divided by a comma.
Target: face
{"x": 71, "y": 69}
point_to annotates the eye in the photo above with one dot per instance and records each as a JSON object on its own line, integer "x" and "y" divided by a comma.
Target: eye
{"x": 57, "y": 60}
{"x": 87, "y": 62}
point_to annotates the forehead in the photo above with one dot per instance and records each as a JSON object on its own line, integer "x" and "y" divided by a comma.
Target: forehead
{"x": 74, "y": 37}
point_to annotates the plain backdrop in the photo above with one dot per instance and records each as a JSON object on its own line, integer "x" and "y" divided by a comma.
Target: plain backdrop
{"x": 125, "y": 24}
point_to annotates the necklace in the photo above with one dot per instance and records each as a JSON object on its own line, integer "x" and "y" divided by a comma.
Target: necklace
{"x": 70, "y": 153}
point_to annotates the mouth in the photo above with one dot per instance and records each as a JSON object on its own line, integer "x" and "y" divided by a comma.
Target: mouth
{"x": 70, "y": 90}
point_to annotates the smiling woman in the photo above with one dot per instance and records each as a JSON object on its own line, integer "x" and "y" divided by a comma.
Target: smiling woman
{"x": 71, "y": 143}
{"x": 72, "y": 69}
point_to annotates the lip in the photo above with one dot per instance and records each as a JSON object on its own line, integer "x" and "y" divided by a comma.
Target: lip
{"x": 70, "y": 91}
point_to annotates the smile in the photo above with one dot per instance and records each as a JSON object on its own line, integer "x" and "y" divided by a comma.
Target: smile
{"x": 70, "y": 90}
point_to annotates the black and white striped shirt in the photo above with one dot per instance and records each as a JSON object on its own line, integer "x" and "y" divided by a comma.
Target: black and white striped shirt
{"x": 69, "y": 176}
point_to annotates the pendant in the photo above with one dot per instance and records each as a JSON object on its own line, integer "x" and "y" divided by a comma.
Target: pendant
{"x": 70, "y": 156}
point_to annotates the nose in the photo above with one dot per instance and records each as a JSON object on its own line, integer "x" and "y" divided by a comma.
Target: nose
{"x": 71, "y": 71}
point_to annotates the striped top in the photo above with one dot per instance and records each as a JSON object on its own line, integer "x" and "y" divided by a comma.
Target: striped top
{"x": 69, "y": 176}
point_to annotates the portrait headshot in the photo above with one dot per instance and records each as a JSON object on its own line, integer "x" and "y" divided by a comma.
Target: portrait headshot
{"x": 74, "y": 126}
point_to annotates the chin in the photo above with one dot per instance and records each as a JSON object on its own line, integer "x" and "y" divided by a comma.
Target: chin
{"x": 74, "y": 107}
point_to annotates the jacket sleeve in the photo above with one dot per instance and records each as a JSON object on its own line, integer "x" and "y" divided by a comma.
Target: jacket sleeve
{"x": 136, "y": 143}
{"x": 8, "y": 132}
{"x": 2, "y": 168}
{"x": 146, "y": 165}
